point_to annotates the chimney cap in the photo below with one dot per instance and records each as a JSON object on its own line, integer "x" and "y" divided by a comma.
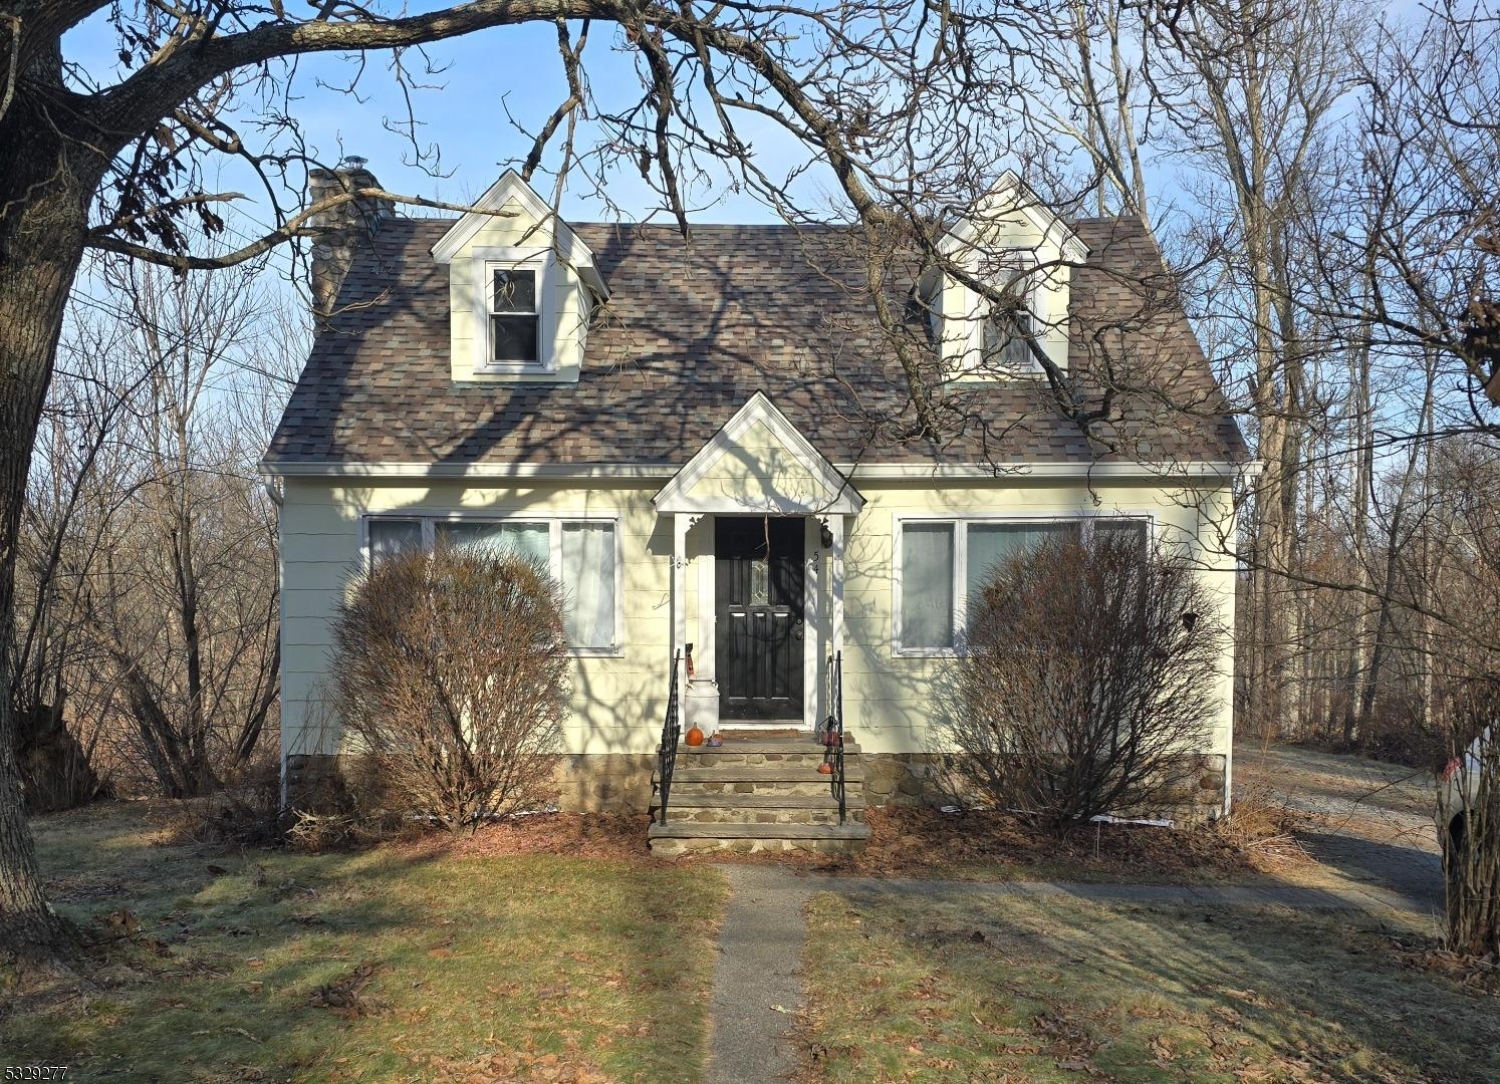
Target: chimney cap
{"x": 353, "y": 161}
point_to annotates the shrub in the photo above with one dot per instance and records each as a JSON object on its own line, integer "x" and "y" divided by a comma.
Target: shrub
{"x": 449, "y": 672}
{"x": 1087, "y": 682}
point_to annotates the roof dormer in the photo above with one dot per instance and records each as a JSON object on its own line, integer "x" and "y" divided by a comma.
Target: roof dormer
{"x": 521, "y": 289}
{"x": 1016, "y": 245}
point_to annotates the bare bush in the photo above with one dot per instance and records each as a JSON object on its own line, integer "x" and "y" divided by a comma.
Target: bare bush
{"x": 1088, "y": 681}
{"x": 450, "y": 675}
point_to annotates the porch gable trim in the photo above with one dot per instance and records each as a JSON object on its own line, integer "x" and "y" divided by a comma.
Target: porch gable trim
{"x": 836, "y": 494}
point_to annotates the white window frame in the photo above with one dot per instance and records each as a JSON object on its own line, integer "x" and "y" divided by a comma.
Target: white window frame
{"x": 554, "y": 521}
{"x": 486, "y": 261}
{"x": 972, "y": 364}
{"x": 961, "y": 525}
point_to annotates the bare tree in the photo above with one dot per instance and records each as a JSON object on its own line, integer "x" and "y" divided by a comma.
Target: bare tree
{"x": 450, "y": 676}
{"x": 192, "y": 538}
{"x": 1084, "y": 687}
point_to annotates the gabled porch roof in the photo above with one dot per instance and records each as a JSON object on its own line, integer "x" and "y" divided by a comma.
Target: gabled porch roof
{"x": 758, "y": 463}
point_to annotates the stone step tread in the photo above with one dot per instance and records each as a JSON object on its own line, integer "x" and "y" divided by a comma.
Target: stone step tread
{"x": 760, "y": 773}
{"x": 690, "y": 800}
{"x": 782, "y": 747}
{"x": 720, "y": 830}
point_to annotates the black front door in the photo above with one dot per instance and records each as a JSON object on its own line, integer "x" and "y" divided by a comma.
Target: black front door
{"x": 758, "y": 599}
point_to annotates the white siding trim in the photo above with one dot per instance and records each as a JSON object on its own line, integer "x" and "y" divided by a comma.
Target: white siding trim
{"x": 1157, "y": 472}
{"x": 676, "y": 495}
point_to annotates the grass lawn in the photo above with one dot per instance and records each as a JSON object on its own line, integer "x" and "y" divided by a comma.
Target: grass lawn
{"x": 431, "y": 961}
{"x": 945, "y": 988}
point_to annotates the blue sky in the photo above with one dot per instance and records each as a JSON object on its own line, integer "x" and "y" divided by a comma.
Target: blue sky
{"x": 464, "y": 114}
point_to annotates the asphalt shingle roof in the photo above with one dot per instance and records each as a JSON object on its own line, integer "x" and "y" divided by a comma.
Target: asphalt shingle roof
{"x": 693, "y": 329}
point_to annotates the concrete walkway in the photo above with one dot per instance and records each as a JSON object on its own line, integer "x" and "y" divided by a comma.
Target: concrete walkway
{"x": 756, "y": 985}
{"x": 757, "y": 989}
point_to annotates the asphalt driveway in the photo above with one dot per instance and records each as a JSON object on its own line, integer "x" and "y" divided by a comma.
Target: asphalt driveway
{"x": 1370, "y": 821}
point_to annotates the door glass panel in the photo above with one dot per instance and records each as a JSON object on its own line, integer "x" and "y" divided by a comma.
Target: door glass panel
{"x": 760, "y": 582}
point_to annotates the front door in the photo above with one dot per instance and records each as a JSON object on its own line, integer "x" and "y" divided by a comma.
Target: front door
{"x": 758, "y": 631}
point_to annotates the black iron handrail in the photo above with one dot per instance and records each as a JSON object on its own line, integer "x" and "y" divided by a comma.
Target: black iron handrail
{"x": 835, "y": 733}
{"x": 666, "y": 752}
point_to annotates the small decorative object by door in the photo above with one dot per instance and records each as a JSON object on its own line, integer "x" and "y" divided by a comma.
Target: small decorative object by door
{"x": 830, "y": 736}
{"x": 825, "y": 768}
{"x": 694, "y": 737}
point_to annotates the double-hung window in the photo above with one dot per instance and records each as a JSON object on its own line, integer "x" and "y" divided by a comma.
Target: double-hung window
{"x": 941, "y": 566}
{"x": 514, "y": 319}
{"x": 1006, "y": 328}
{"x": 1005, "y": 339}
{"x": 580, "y": 554}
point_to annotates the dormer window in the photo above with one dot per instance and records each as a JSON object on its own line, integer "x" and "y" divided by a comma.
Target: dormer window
{"x": 514, "y": 317}
{"x": 1005, "y": 338}
{"x": 514, "y": 324}
{"x": 522, "y": 289}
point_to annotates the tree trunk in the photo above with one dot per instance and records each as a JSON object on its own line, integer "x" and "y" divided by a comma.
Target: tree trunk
{"x": 44, "y": 196}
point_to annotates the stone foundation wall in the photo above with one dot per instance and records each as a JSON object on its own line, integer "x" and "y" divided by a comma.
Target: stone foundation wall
{"x": 315, "y": 782}
{"x": 909, "y": 779}
{"x": 621, "y": 783}
{"x": 917, "y": 779}
{"x": 584, "y": 783}
{"x": 1198, "y": 796}
{"x": 605, "y": 782}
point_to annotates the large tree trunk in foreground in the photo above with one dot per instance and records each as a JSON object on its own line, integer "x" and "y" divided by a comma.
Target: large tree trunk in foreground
{"x": 44, "y": 195}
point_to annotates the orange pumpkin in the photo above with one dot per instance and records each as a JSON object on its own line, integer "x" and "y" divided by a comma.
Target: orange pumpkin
{"x": 694, "y": 737}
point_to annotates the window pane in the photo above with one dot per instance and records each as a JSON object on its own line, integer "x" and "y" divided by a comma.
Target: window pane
{"x": 991, "y": 544}
{"x": 1004, "y": 344}
{"x": 927, "y": 585}
{"x": 514, "y": 337}
{"x": 515, "y": 291}
{"x": 526, "y": 539}
{"x": 1134, "y": 529}
{"x": 389, "y": 537}
{"x": 588, "y": 576}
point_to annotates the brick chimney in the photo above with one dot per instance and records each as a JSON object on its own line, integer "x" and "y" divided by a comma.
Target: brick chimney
{"x": 341, "y": 229}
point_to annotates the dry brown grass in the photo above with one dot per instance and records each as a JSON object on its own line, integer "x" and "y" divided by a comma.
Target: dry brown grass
{"x": 546, "y": 950}
{"x": 923, "y": 842}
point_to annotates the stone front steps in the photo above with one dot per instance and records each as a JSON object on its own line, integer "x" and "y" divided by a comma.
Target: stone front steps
{"x": 760, "y": 796}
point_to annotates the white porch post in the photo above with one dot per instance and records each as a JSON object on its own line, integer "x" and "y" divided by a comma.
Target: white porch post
{"x": 705, "y": 651}
{"x": 680, "y": 524}
{"x": 836, "y": 582}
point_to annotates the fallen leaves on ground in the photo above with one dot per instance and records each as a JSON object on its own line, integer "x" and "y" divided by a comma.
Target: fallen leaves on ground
{"x": 918, "y": 842}
{"x": 526, "y": 1068}
{"x": 345, "y": 995}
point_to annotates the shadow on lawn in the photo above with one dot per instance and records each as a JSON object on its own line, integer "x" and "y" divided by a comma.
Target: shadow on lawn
{"x": 426, "y": 957}
{"x": 1292, "y": 994}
